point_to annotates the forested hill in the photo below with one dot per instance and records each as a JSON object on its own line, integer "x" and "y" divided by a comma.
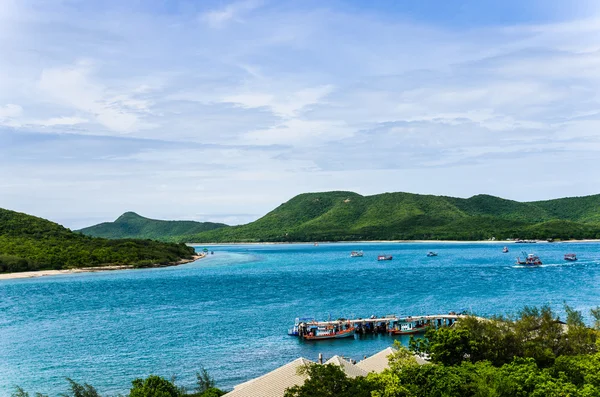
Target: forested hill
{"x": 31, "y": 243}
{"x": 132, "y": 225}
{"x": 339, "y": 216}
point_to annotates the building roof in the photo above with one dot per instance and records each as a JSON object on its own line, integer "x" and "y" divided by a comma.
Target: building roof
{"x": 274, "y": 383}
{"x": 351, "y": 370}
{"x": 377, "y": 362}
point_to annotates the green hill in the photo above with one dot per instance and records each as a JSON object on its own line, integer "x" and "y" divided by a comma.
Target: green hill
{"x": 31, "y": 243}
{"x": 339, "y": 216}
{"x": 132, "y": 225}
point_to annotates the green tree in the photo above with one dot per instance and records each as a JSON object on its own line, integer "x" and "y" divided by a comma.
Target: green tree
{"x": 154, "y": 386}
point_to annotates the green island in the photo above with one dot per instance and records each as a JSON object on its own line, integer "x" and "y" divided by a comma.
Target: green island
{"x": 347, "y": 216}
{"x": 29, "y": 243}
{"x": 132, "y": 225}
{"x": 534, "y": 354}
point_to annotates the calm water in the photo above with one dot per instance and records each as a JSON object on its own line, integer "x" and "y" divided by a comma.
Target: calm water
{"x": 230, "y": 312}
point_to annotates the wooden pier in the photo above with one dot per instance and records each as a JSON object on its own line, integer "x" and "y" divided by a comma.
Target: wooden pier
{"x": 391, "y": 324}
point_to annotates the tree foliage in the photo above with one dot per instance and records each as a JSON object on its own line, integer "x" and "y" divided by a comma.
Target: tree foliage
{"x": 531, "y": 355}
{"x": 29, "y": 243}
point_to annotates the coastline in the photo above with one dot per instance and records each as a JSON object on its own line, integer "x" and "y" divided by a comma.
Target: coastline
{"x": 394, "y": 241}
{"x": 44, "y": 273}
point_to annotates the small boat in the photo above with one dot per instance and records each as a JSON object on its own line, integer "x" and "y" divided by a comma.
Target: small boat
{"x": 384, "y": 258}
{"x": 530, "y": 260}
{"x": 356, "y": 254}
{"x": 316, "y": 244}
{"x": 329, "y": 332}
{"x": 407, "y": 327}
{"x": 300, "y": 321}
{"x": 431, "y": 253}
{"x": 505, "y": 250}
{"x": 212, "y": 252}
{"x": 570, "y": 257}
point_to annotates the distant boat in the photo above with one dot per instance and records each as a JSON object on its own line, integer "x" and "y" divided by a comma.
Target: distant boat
{"x": 530, "y": 260}
{"x": 356, "y": 254}
{"x": 570, "y": 257}
{"x": 431, "y": 253}
{"x": 525, "y": 241}
{"x": 316, "y": 244}
{"x": 384, "y": 258}
{"x": 212, "y": 252}
{"x": 505, "y": 250}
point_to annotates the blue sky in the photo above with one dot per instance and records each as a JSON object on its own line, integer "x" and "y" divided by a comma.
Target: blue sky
{"x": 222, "y": 110}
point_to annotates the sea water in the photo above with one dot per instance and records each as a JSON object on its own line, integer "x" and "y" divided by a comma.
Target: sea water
{"x": 230, "y": 311}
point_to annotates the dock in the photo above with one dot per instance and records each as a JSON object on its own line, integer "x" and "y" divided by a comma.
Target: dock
{"x": 390, "y": 324}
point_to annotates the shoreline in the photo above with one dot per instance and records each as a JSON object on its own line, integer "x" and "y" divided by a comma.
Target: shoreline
{"x": 44, "y": 273}
{"x": 397, "y": 241}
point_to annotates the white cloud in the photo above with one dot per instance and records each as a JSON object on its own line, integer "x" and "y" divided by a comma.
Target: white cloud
{"x": 321, "y": 98}
{"x": 232, "y": 12}
{"x": 74, "y": 87}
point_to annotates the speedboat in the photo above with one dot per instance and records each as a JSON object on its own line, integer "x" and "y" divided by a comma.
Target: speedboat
{"x": 384, "y": 258}
{"x": 530, "y": 260}
{"x": 505, "y": 250}
{"x": 431, "y": 253}
{"x": 570, "y": 257}
{"x": 356, "y": 254}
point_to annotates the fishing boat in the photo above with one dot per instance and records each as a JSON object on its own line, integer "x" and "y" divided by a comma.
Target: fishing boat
{"x": 356, "y": 254}
{"x": 570, "y": 257}
{"x": 530, "y": 260}
{"x": 300, "y": 321}
{"x": 384, "y": 258}
{"x": 407, "y": 327}
{"x": 505, "y": 250}
{"x": 431, "y": 253}
{"x": 329, "y": 332}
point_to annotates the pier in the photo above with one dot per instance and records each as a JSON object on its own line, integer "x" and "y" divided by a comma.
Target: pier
{"x": 332, "y": 329}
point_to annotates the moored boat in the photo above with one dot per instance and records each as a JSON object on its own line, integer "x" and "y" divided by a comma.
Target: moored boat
{"x": 356, "y": 254}
{"x": 570, "y": 257}
{"x": 431, "y": 253}
{"x": 530, "y": 260}
{"x": 384, "y": 258}
{"x": 408, "y": 328}
{"x": 505, "y": 250}
{"x": 329, "y": 332}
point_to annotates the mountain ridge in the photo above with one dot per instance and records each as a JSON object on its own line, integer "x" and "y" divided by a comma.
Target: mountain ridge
{"x": 346, "y": 216}
{"x": 132, "y": 225}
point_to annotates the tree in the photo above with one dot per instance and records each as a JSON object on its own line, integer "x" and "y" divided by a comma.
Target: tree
{"x": 328, "y": 381}
{"x": 154, "y": 386}
{"x": 80, "y": 390}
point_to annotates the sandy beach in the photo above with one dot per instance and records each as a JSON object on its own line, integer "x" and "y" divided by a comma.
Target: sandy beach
{"x": 43, "y": 273}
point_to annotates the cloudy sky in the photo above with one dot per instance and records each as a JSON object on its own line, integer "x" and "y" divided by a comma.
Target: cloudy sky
{"x": 218, "y": 110}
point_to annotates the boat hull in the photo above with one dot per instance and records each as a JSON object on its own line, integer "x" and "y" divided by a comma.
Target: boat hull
{"x": 349, "y": 333}
{"x": 407, "y": 332}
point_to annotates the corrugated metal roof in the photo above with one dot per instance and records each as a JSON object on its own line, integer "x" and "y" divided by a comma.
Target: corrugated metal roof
{"x": 351, "y": 370}
{"x": 274, "y": 383}
{"x": 377, "y": 362}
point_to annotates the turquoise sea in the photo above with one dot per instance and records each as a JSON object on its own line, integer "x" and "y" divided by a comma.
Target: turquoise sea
{"x": 230, "y": 311}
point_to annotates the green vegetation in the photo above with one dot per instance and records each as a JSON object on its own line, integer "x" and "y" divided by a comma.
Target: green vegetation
{"x": 132, "y": 225}
{"x": 347, "y": 216}
{"x": 30, "y": 243}
{"x": 534, "y": 355}
{"x": 152, "y": 386}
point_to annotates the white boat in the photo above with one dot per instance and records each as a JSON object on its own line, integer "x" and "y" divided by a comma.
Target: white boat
{"x": 431, "y": 253}
{"x": 356, "y": 254}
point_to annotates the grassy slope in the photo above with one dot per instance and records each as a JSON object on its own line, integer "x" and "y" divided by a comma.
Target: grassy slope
{"x": 132, "y": 225}
{"x": 31, "y": 243}
{"x": 349, "y": 216}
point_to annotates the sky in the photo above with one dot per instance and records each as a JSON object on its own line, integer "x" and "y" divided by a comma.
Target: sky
{"x": 222, "y": 110}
